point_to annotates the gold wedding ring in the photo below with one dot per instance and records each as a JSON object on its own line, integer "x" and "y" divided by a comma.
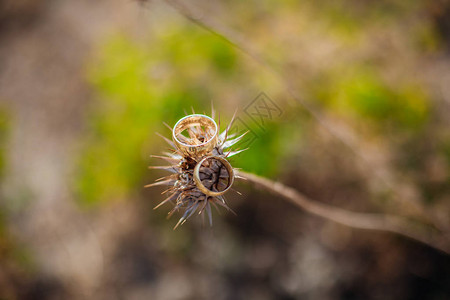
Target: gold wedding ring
{"x": 203, "y": 135}
{"x": 202, "y": 187}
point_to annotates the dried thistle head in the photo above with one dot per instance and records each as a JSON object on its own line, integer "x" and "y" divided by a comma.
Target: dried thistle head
{"x": 198, "y": 162}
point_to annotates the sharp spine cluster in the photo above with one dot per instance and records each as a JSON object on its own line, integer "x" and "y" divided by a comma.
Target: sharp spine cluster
{"x": 182, "y": 188}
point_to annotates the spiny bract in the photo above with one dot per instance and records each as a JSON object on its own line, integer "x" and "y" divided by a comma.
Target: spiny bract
{"x": 182, "y": 188}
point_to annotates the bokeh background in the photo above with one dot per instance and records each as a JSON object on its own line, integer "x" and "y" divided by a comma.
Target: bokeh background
{"x": 363, "y": 89}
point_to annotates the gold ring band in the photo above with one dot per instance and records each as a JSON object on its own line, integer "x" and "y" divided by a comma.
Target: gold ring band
{"x": 193, "y": 146}
{"x": 202, "y": 187}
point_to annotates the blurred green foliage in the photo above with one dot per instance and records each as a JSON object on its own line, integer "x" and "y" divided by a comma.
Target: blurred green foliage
{"x": 4, "y": 126}
{"x": 361, "y": 93}
{"x": 272, "y": 144}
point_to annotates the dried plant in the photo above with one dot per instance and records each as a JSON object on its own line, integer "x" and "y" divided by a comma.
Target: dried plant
{"x": 201, "y": 175}
{"x": 198, "y": 162}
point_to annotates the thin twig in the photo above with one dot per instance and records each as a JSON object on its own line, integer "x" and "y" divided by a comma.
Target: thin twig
{"x": 368, "y": 221}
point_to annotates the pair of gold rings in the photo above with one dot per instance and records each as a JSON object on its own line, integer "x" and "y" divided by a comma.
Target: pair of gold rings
{"x": 202, "y": 137}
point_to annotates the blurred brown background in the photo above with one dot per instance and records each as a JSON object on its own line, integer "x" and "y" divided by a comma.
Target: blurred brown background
{"x": 363, "y": 92}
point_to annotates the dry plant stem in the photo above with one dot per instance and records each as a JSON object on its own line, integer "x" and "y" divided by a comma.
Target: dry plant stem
{"x": 234, "y": 39}
{"x": 379, "y": 222}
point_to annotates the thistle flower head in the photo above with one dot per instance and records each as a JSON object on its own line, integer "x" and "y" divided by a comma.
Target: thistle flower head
{"x": 201, "y": 173}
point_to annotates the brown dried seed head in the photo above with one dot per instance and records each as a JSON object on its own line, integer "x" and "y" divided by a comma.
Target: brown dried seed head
{"x": 205, "y": 148}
